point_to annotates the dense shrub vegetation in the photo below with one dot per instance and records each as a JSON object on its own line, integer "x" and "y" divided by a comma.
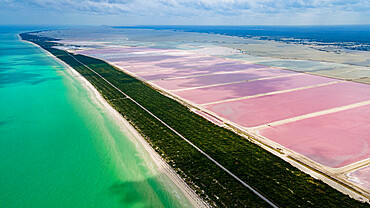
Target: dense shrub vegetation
{"x": 280, "y": 182}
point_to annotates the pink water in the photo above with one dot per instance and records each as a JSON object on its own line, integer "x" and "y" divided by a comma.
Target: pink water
{"x": 228, "y": 67}
{"x": 119, "y": 50}
{"x": 335, "y": 140}
{"x": 176, "y": 84}
{"x": 362, "y": 177}
{"x": 270, "y": 108}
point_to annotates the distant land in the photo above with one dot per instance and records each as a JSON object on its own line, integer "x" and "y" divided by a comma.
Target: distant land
{"x": 352, "y": 37}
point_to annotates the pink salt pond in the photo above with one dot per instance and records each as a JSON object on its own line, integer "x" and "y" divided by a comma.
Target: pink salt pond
{"x": 175, "y": 84}
{"x": 166, "y": 61}
{"x": 270, "y": 108}
{"x": 145, "y": 59}
{"x": 156, "y": 74}
{"x": 194, "y": 62}
{"x": 361, "y": 177}
{"x": 237, "y": 90}
{"x": 335, "y": 139}
{"x": 119, "y": 50}
{"x": 183, "y": 62}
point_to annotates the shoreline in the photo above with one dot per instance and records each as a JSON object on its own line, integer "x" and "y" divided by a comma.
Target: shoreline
{"x": 162, "y": 166}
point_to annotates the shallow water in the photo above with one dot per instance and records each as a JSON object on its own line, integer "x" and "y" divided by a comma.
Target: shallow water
{"x": 59, "y": 147}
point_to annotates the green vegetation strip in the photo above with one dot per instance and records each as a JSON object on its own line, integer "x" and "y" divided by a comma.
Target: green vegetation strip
{"x": 280, "y": 182}
{"x": 182, "y": 137}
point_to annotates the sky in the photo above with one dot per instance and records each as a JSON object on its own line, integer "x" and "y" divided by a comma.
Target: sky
{"x": 185, "y": 12}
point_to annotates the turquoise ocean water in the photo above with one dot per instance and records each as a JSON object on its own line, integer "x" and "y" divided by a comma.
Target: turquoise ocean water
{"x": 59, "y": 147}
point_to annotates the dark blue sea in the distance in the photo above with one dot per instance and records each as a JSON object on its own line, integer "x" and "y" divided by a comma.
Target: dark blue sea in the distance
{"x": 356, "y": 37}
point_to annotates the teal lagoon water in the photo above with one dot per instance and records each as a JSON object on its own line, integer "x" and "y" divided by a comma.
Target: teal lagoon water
{"x": 59, "y": 147}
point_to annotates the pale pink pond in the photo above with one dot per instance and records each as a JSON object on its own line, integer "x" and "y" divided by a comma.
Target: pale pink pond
{"x": 269, "y": 108}
{"x": 140, "y": 69}
{"x": 145, "y": 68}
{"x": 230, "y": 91}
{"x": 361, "y": 177}
{"x": 119, "y": 50}
{"x": 164, "y": 61}
{"x": 120, "y": 55}
{"x": 335, "y": 140}
{"x": 180, "y": 62}
{"x": 150, "y": 75}
{"x": 145, "y": 60}
{"x": 196, "y": 62}
{"x": 175, "y": 84}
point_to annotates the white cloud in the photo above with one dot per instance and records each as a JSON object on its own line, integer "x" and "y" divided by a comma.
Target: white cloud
{"x": 216, "y": 6}
{"x": 199, "y": 11}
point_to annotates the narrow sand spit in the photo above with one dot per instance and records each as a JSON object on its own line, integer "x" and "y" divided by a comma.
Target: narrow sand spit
{"x": 163, "y": 167}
